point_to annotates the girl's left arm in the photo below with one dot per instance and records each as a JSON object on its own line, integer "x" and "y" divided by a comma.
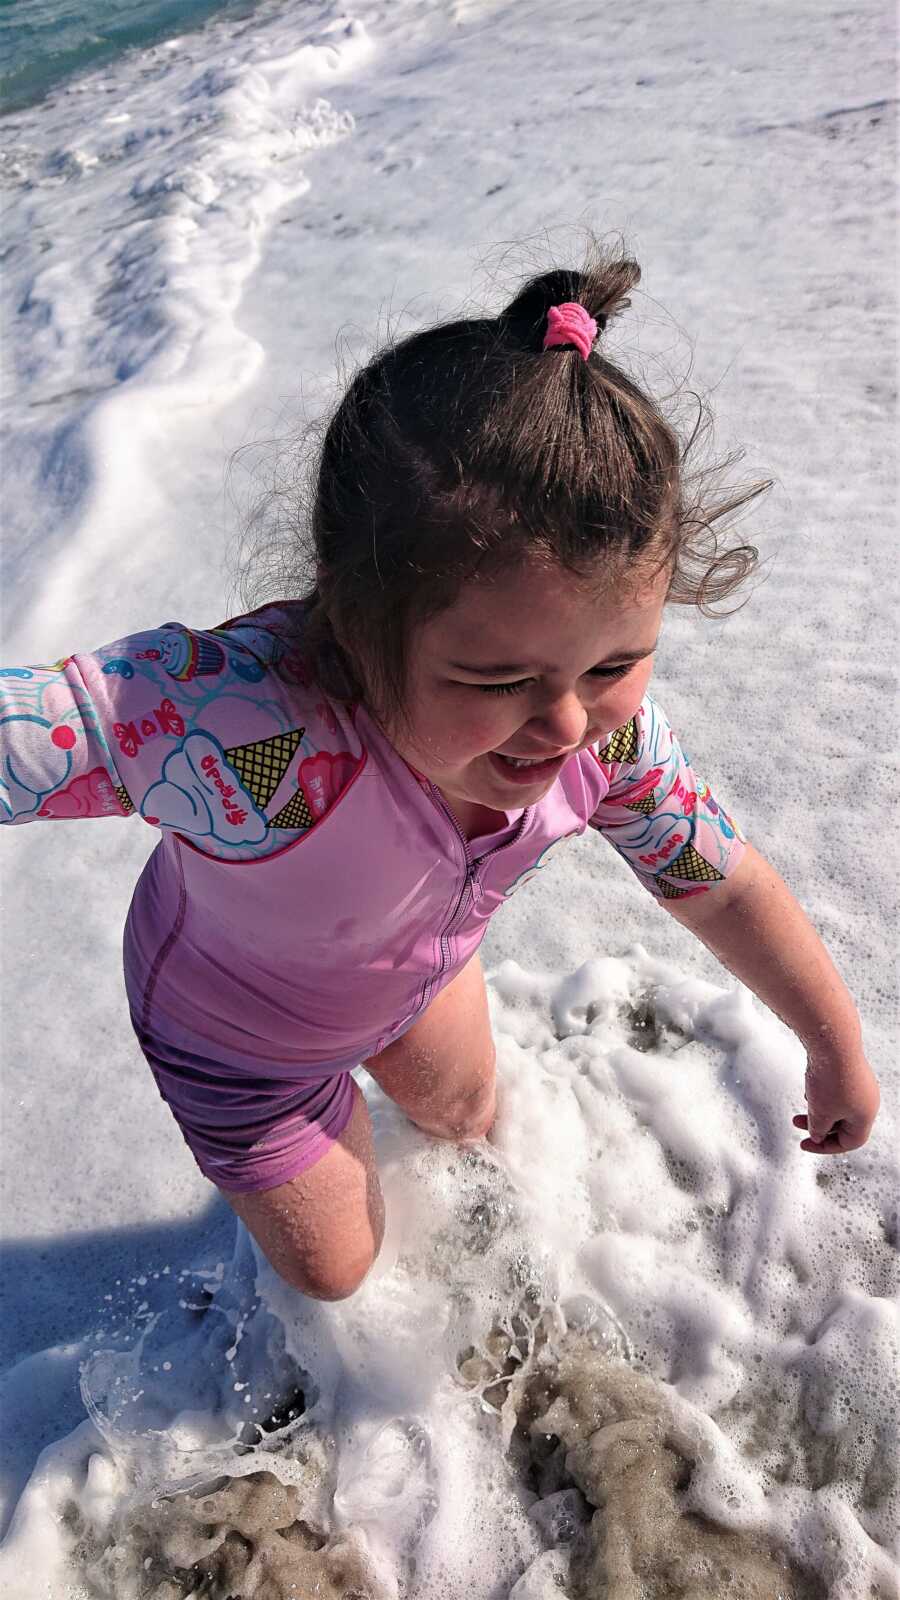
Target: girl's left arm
{"x": 755, "y": 927}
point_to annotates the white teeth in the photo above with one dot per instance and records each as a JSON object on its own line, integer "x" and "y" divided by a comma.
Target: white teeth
{"x": 515, "y": 762}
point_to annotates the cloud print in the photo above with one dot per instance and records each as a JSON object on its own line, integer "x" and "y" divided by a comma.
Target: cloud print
{"x": 36, "y": 763}
{"x": 542, "y": 860}
{"x": 91, "y": 794}
{"x": 201, "y": 794}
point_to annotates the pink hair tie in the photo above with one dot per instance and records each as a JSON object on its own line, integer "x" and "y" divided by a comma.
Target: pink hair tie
{"x": 570, "y": 323}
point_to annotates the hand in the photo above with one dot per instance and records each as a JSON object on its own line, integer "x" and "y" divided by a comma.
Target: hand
{"x": 842, "y": 1101}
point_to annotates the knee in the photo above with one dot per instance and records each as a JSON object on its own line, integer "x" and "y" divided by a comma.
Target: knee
{"x": 332, "y": 1278}
{"x": 480, "y": 1114}
{"x": 472, "y": 1115}
{"x": 332, "y": 1265}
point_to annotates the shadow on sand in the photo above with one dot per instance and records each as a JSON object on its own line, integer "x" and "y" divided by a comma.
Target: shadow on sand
{"x": 62, "y": 1298}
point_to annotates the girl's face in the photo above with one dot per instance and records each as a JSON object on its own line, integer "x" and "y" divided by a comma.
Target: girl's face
{"x": 521, "y": 672}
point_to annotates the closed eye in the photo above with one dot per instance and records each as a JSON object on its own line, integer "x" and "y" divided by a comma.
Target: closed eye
{"x": 612, "y": 672}
{"x": 503, "y": 688}
{"x": 522, "y": 683}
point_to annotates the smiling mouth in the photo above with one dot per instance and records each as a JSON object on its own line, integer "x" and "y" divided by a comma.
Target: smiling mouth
{"x": 528, "y": 761}
{"x": 524, "y": 768}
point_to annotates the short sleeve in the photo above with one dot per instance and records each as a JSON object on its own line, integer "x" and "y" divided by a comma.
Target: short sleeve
{"x": 219, "y": 737}
{"x": 55, "y": 760}
{"x": 94, "y": 735}
{"x": 659, "y": 814}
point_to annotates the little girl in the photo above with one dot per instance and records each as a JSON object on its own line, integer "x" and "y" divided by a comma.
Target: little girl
{"x": 347, "y": 785}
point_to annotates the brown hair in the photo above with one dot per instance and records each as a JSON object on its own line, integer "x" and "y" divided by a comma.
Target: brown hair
{"x": 465, "y": 448}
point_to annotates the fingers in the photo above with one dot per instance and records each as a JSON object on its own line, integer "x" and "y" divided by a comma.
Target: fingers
{"x": 817, "y": 1136}
{"x": 837, "y": 1140}
{"x": 841, "y": 1105}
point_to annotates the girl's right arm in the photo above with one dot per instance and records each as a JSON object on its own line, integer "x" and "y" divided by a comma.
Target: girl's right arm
{"x": 55, "y": 760}
{"x": 217, "y": 735}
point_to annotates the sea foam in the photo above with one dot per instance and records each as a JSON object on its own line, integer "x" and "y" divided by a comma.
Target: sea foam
{"x": 599, "y": 1349}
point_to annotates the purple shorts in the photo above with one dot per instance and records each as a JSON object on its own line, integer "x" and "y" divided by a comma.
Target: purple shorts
{"x": 246, "y": 1131}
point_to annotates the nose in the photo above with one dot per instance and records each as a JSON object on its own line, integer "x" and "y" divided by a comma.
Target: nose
{"x": 562, "y": 724}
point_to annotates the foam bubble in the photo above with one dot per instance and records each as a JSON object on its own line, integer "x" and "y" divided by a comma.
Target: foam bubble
{"x": 617, "y": 1336}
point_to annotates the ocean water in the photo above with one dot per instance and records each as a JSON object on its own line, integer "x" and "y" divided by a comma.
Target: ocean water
{"x": 638, "y": 1343}
{"x": 45, "y": 42}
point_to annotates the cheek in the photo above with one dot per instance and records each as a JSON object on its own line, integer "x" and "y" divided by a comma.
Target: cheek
{"x": 480, "y": 727}
{"x": 622, "y": 700}
{"x": 487, "y": 723}
{"x": 455, "y": 732}
{"x": 641, "y": 683}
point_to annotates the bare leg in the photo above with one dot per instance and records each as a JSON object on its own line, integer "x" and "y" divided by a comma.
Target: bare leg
{"x": 442, "y": 1072}
{"x": 323, "y": 1229}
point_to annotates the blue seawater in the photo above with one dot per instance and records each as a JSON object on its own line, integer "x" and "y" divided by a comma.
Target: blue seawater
{"x": 45, "y": 42}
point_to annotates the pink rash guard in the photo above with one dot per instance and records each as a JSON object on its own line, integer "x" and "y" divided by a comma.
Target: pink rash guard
{"x": 310, "y": 893}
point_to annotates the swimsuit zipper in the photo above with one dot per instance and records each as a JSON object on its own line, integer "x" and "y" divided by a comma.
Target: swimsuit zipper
{"x": 465, "y": 893}
{"x": 523, "y": 823}
{"x": 462, "y": 899}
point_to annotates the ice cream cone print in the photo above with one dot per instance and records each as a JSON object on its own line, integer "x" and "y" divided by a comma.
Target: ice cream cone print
{"x": 646, "y": 806}
{"x": 296, "y": 814}
{"x": 693, "y": 867}
{"x": 124, "y": 799}
{"x": 622, "y": 745}
{"x": 262, "y": 765}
